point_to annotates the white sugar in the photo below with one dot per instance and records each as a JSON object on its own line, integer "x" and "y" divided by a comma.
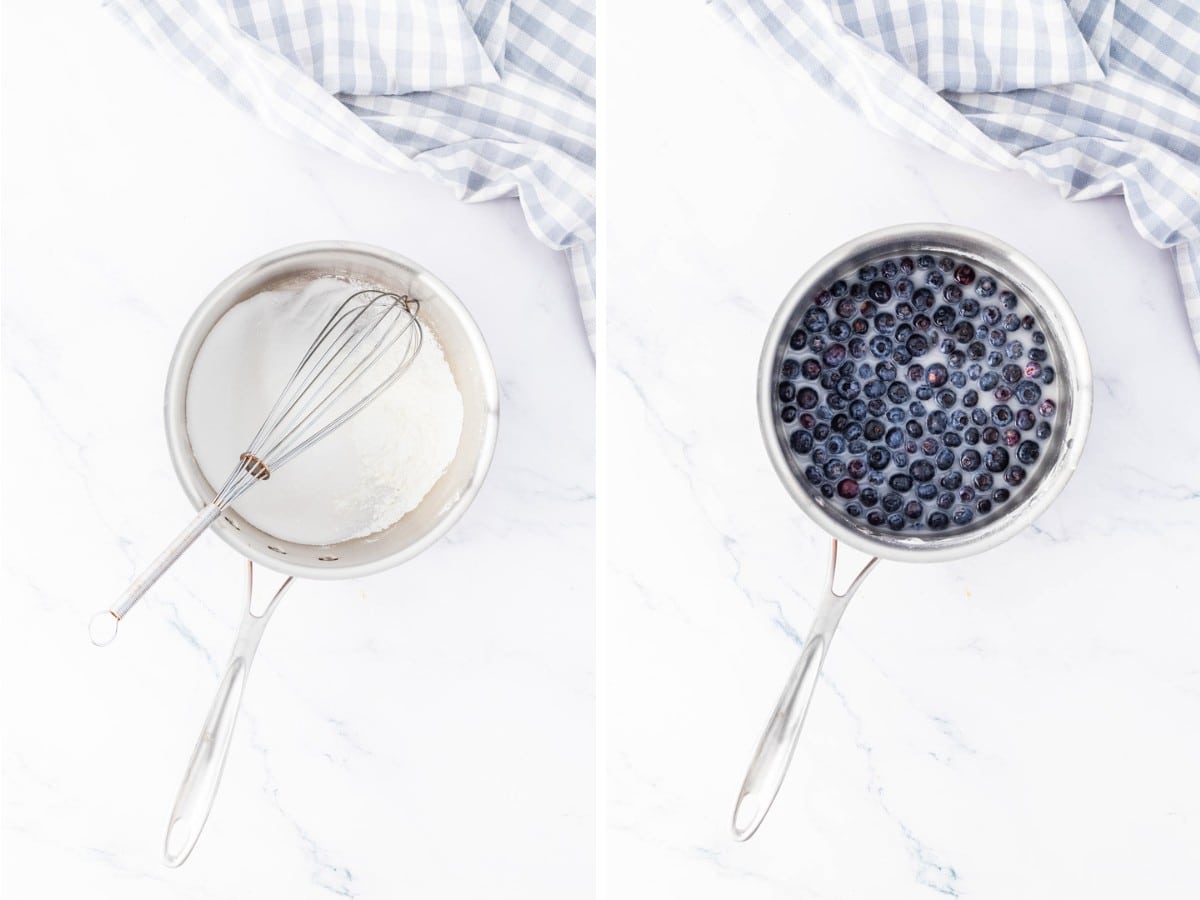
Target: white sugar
{"x": 361, "y": 478}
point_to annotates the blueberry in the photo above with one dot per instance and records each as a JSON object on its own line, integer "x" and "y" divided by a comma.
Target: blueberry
{"x": 913, "y": 509}
{"x": 902, "y": 288}
{"x": 838, "y": 288}
{"x": 816, "y": 343}
{"x": 1027, "y": 322}
{"x": 861, "y": 326}
{"x": 1032, "y": 369}
{"x": 986, "y": 286}
{"x": 821, "y": 431}
{"x": 827, "y": 490}
{"x": 997, "y": 338}
{"x": 858, "y": 412}
{"x": 814, "y": 475}
{"x": 836, "y": 401}
{"x": 858, "y": 290}
{"x": 1047, "y": 408}
{"x": 970, "y": 460}
{"x": 873, "y": 430}
{"x": 856, "y": 469}
{"x": 999, "y": 495}
{"x": 1038, "y": 354}
{"x": 1014, "y": 476}
{"x": 917, "y": 345}
{"x": 953, "y": 438}
{"x": 801, "y": 441}
{"x": 946, "y": 264}
{"x": 946, "y": 398}
{"x": 1025, "y": 419}
{"x": 935, "y": 279}
{"x": 921, "y": 322}
{"x": 880, "y": 291}
{"x": 923, "y": 392}
{"x": 853, "y": 431}
{"x": 904, "y": 311}
{"x": 858, "y": 445}
{"x": 938, "y": 521}
{"x": 799, "y": 339}
{"x": 974, "y": 370}
{"x": 983, "y": 481}
{"x": 996, "y": 459}
{"x": 914, "y": 428}
{"x": 967, "y": 494}
{"x": 1028, "y": 452}
{"x": 1011, "y": 373}
{"x": 922, "y": 470}
{"x": 990, "y": 435}
{"x": 1003, "y": 393}
{"x": 952, "y": 292}
{"x": 964, "y": 274}
{"x": 857, "y": 347}
{"x": 925, "y": 261}
{"x": 988, "y": 380}
{"x": 897, "y": 392}
{"x": 807, "y": 419}
{"x": 971, "y": 436}
{"x": 787, "y": 391}
{"x": 906, "y": 265}
{"x": 820, "y": 456}
{"x": 847, "y": 488}
{"x": 853, "y": 510}
{"x": 848, "y": 388}
{"x": 867, "y": 273}
{"x": 900, "y": 482}
{"x": 1012, "y": 322}
{"x": 1047, "y": 375}
{"x": 992, "y": 315}
{"x": 806, "y": 398}
{"x": 895, "y": 522}
{"x": 878, "y": 457}
{"x": 1014, "y": 349}
{"x": 835, "y": 469}
{"x": 836, "y": 444}
{"x": 962, "y": 516}
{"x": 1009, "y": 299}
{"x": 823, "y": 298}
{"x": 944, "y": 316}
{"x": 868, "y": 496}
{"x": 810, "y": 369}
{"x": 915, "y": 372}
{"x": 790, "y": 368}
{"x": 788, "y": 414}
{"x": 886, "y": 371}
{"x": 891, "y": 502}
{"x": 889, "y": 269}
{"x": 839, "y": 329}
{"x": 876, "y": 406}
{"x": 969, "y": 308}
{"x": 845, "y": 308}
{"x": 1001, "y": 414}
{"x": 936, "y": 375}
{"x": 951, "y": 481}
{"x": 922, "y": 299}
{"x": 937, "y": 422}
{"x": 816, "y": 319}
{"x": 896, "y": 415}
{"x": 1028, "y": 393}
{"x": 839, "y": 422}
{"x": 964, "y": 331}
{"x": 945, "y": 501}
{"x": 978, "y": 416}
{"x": 901, "y": 356}
{"x": 958, "y": 379}
{"x": 875, "y": 517}
{"x": 984, "y": 506}
{"x": 970, "y": 398}
{"x": 1011, "y": 437}
{"x": 916, "y": 408}
{"x": 885, "y": 322}
{"x": 927, "y": 491}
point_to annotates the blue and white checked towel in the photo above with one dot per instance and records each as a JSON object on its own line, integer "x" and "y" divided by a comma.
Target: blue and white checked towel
{"x": 1095, "y": 96}
{"x": 493, "y": 98}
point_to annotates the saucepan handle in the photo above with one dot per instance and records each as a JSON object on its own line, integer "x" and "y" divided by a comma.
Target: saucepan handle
{"x": 199, "y": 788}
{"x": 779, "y": 739}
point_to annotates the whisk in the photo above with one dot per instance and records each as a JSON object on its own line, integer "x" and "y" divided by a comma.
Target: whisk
{"x": 364, "y": 347}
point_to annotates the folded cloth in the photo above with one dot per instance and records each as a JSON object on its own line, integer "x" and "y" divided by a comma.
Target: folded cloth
{"x": 493, "y": 98}
{"x": 1096, "y": 97}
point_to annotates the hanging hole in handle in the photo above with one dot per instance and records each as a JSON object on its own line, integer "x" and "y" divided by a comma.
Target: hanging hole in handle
{"x": 175, "y": 845}
{"x": 744, "y": 815}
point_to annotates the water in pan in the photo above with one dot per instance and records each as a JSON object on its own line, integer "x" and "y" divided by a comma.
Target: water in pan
{"x": 917, "y": 394}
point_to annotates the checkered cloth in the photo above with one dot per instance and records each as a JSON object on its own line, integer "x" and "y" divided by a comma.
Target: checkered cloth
{"x": 493, "y": 98}
{"x": 1095, "y": 96}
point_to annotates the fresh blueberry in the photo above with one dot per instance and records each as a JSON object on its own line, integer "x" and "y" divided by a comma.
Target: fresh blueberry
{"x": 914, "y": 428}
{"x": 896, "y": 414}
{"x": 847, "y": 488}
{"x": 917, "y": 345}
{"x": 901, "y": 356}
{"x": 970, "y": 460}
{"x": 999, "y": 495}
{"x": 944, "y": 316}
{"x": 937, "y": 421}
{"x": 945, "y": 501}
{"x": 799, "y": 339}
{"x": 1014, "y": 476}
{"x": 922, "y": 470}
{"x": 958, "y": 379}
{"x": 836, "y": 444}
{"x": 970, "y": 398}
{"x": 904, "y": 311}
{"x": 1037, "y": 354}
{"x": 964, "y": 331}
{"x": 823, "y": 298}
{"x": 816, "y": 319}
{"x": 853, "y": 510}
{"x": 935, "y": 279}
{"x": 946, "y": 398}
{"x": 900, "y": 482}
{"x": 885, "y": 322}
{"x": 986, "y": 286}
{"x": 858, "y": 412}
{"x": 984, "y": 506}
{"x": 860, "y": 326}
{"x": 810, "y": 369}
{"x": 923, "y": 392}
{"x": 962, "y": 516}
{"x": 915, "y": 372}
{"x": 938, "y": 521}
{"x": 921, "y": 322}
{"x": 1012, "y": 322}
{"x": 978, "y": 416}
{"x": 1027, "y": 322}
{"x": 927, "y": 491}
{"x": 806, "y": 398}
{"x": 880, "y": 291}
{"x": 876, "y": 406}
{"x": 835, "y": 469}
{"x": 951, "y": 481}
{"x": 848, "y": 388}
{"x": 1002, "y": 414}
{"x": 858, "y": 445}
{"x": 814, "y": 475}
{"x": 889, "y": 269}
{"x": 787, "y": 391}
{"x": 875, "y": 518}
{"x": 868, "y": 496}
{"x": 996, "y": 459}
{"x": 936, "y": 375}
{"x": 839, "y": 329}
{"x": 1047, "y": 408}
{"x": 946, "y": 264}
{"x": 891, "y": 502}
{"x": 897, "y": 391}
{"x": 922, "y": 299}
{"x": 838, "y": 288}
{"x": 1028, "y": 393}
{"x": 997, "y": 338}
{"x": 801, "y": 441}
{"x": 1028, "y": 452}
{"x": 816, "y": 343}
{"x": 953, "y": 438}
{"x": 827, "y": 490}
{"x": 925, "y": 261}
{"x": 990, "y": 435}
{"x": 967, "y": 494}
{"x": 964, "y": 274}
{"x": 873, "y": 430}
{"x": 1032, "y": 369}
{"x": 1014, "y": 349}
{"x": 867, "y": 273}
{"x": 807, "y": 419}
{"x": 1025, "y": 419}
{"x": 878, "y": 457}
{"x": 903, "y": 288}
{"x": 886, "y": 371}
{"x": 1003, "y": 393}
{"x": 1011, "y": 437}
{"x": 1009, "y": 299}
{"x": 992, "y": 315}
{"x": 1047, "y": 375}
{"x": 857, "y": 347}
{"x": 821, "y": 431}
{"x": 895, "y": 522}
{"x": 983, "y": 481}
{"x": 845, "y": 307}
{"x": 988, "y": 380}
{"x": 913, "y": 509}
{"x": 788, "y": 414}
{"x": 969, "y": 308}
{"x": 971, "y": 436}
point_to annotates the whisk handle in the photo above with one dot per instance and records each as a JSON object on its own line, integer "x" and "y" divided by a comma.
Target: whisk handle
{"x": 104, "y": 623}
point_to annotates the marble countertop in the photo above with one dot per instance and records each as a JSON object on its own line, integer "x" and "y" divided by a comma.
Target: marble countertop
{"x": 1024, "y": 723}
{"x": 426, "y": 732}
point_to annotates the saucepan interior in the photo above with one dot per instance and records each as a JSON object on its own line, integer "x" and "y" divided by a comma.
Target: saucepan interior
{"x": 465, "y": 351}
{"x": 1064, "y": 340}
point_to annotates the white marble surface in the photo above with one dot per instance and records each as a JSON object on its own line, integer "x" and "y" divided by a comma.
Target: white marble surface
{"x": 427, "y": 732}
{"x": 1025, "y": 723}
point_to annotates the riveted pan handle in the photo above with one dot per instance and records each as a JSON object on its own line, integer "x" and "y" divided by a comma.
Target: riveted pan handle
{"x": 779, "y": 739}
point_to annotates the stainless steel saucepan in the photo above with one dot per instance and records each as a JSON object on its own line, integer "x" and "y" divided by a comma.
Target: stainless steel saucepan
{"x": 443, "y": 315}
{"x": 1065, "y": 343}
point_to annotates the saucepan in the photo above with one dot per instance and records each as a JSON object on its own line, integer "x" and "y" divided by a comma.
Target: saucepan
{"x": 1063, "y": 341}
{"x": 447, "y": 319}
